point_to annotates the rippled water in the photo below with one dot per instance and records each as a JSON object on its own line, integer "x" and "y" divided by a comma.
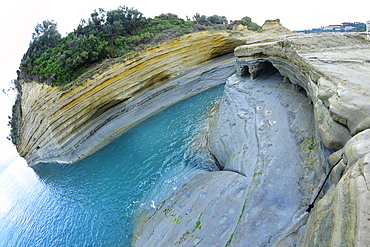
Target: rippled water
{"x": 92, "y": 202}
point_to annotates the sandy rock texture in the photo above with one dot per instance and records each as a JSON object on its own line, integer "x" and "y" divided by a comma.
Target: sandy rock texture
{"x": 66, "y": 125}
{"x": 294, "y": 100}
{"x": 263, "y": 135}
{"x": 297, "y": 105}
{"x": 342, "y": 216}
{"x": 332, "y": 68}
{"x": 334, "y": 71}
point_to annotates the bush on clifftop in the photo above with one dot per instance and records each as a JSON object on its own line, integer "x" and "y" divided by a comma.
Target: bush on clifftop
{"x": 58, "y": 60}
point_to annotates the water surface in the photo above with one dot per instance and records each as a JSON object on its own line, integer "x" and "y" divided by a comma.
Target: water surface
{"x": 92, "y": 202}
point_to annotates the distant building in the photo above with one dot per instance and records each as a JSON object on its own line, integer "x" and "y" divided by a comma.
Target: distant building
{"x": 332, "y": 28}
{"x": 345, "y": 27}
{"x": 349, "y": 28}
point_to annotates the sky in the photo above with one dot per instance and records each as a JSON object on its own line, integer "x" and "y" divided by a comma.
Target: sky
{"x": 19, "y": 17}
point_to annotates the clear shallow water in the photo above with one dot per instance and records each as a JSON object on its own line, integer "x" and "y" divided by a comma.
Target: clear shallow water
{"x": 92, "y": 202}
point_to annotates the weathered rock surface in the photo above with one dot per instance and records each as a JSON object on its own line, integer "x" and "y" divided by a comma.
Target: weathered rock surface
{"x": 331, "y": 68}
{"x": 276, "y": 143}
{"x": 263, "y": 135}
{"x": 272, "y": 133}
{"x": 272, "y": 24}
{"x": 65, "y": 126}
{"x": 342, "y": 216}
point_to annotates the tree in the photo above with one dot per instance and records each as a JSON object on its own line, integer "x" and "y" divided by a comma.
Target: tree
{"x": 201, "y": 19}
{"x": 125, "y": 21}
{"x": 46, "y": 33}
{"x": 247, "y": 19}
{"x": 215, "y": 19}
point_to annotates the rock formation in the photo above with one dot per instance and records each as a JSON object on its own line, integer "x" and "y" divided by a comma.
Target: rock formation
{"x": 66, "y": 125}
{"x": 333, "y": 69}
{"x": 271, "y": 172}
{"x": 295, "y": 99}
{"x": 272, "y": 24}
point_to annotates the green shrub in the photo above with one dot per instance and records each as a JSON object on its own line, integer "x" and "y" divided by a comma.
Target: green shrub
{"x": 58, "y": 61}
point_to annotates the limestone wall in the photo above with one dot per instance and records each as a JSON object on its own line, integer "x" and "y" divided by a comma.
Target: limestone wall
{"x": 331, "y": 68}
{"x": 341, "y": 217}
{"x": 261, "y": 199}
{"x": 273, "y": 140}
{"x": 67, "y": 125}
{"x": 334, "y": 70}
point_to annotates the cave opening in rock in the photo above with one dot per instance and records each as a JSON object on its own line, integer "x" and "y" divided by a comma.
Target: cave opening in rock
{"x": 245, "y": 72}
{"x": 259, "y": 70}
{"x": 265, "y": 69}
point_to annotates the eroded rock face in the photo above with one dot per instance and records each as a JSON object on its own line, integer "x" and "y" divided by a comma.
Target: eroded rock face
{"x": 65, "y": 126}
{"x": 304, "y": 97}
{"x": 263, "y": 134}
{"x": 204, "y": 212}
{"x": 342, "y": 216}
{"x": 331, "y": 68}
{"x": 274, "y": 159}
{"x": 272, "y": 24}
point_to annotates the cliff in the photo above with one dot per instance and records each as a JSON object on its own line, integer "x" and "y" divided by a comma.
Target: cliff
{"x": 273, "y": 140}
{"x": 333, "y": 71}
{"x": 297, "y": 105}
{"x": 66, "y": 125}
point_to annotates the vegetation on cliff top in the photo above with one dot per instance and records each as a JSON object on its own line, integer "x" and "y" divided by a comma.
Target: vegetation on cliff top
{"x": 58, "y": 60}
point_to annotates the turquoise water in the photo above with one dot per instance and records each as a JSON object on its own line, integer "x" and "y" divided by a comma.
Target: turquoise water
{"x": 92, "y": 202}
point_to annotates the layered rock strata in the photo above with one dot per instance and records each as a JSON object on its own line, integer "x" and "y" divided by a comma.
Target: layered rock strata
{"x": 66, "y": 125}
{"x": 331, "y": 68}
{"x": 334, "y": 70}
{"x": 341, "y": 217}
{"x": 274, "y": 152}
{"x": 295, "y": 99}
{"x": 262, "y": 135}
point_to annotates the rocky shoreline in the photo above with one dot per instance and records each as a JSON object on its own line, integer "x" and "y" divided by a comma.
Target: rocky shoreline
{"x": 294, "y": 100}
{"x": 66, "y": 125}
{"x": 274, "y": 163}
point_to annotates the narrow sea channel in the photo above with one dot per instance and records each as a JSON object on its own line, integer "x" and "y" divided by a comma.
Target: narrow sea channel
{"x": 92, "y": 202}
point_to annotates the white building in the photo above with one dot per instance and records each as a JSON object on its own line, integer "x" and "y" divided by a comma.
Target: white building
{"x": 368, "y": 26}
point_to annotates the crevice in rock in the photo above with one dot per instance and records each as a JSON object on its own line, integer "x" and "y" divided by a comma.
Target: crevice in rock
{"x": 217, "y": 163}
{"x": 244, "y": 72}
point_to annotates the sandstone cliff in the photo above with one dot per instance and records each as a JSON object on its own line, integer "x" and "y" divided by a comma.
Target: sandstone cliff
{"x": 275, "y": 150}
{"x": 273, "y": 139}
{"x": 65, "y": 125}
{"x": 334, "y": 71}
